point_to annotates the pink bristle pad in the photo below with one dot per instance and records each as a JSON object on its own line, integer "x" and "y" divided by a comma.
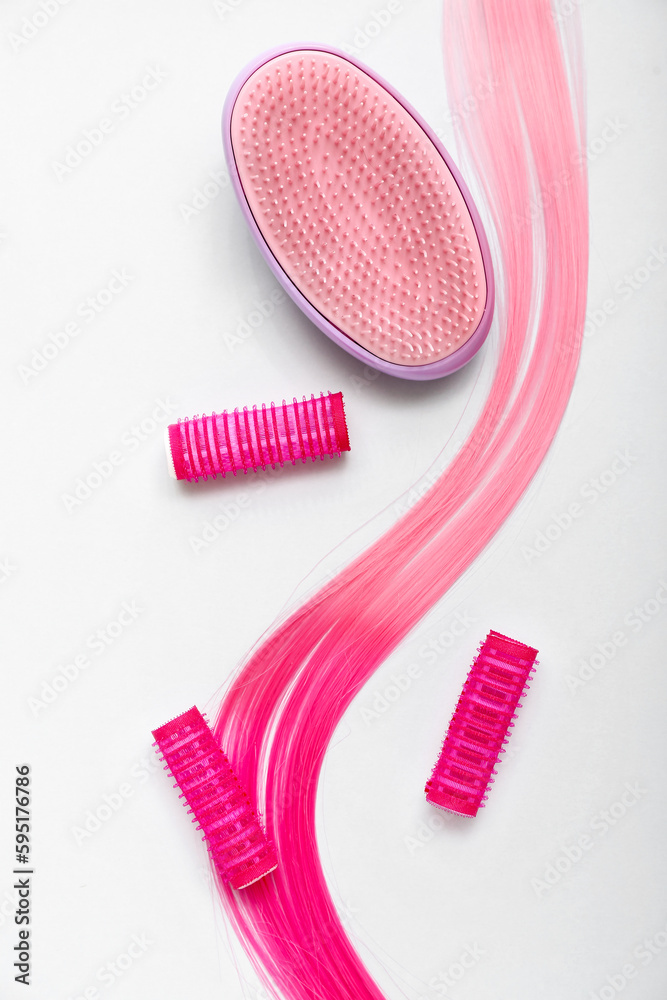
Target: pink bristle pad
{"x": 358, "y": 207}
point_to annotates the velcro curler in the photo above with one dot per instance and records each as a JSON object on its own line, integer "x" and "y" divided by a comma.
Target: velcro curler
{"x": 480, "y": 726}
{"x": 246, "y": 440}
{"x": 219, "y": 805}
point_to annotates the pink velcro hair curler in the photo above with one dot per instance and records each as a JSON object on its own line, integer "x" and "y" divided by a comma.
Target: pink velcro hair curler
{"x": 479, "y": 728}
{"x": 220, "y": 806}
{"x": 247, "y": 440}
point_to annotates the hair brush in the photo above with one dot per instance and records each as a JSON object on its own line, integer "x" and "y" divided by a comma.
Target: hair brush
{"x": 359, "y": 211}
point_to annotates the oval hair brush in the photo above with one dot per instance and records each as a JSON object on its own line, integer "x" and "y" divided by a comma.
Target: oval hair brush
{"x": 359, "y": 211}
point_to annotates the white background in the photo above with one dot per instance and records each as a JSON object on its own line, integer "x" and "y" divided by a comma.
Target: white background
{"x": 143, "y": 202}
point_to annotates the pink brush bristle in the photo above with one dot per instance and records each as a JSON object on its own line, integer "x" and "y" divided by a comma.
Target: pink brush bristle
{"x": 480, "y": 725}
{"x": 220, "y": 806}
{"x": 247, "y": 440}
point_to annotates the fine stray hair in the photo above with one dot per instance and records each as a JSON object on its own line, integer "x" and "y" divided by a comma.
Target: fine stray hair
{"x": 526, "y": 143}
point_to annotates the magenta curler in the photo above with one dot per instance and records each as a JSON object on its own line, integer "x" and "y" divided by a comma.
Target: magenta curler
{"x": 220, "y": 806}
{"x": 247, "y": 440}
{"x": 479, "y": 728}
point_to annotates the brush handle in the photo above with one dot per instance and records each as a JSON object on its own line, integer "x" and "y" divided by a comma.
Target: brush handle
{"x": 247, "y": 440}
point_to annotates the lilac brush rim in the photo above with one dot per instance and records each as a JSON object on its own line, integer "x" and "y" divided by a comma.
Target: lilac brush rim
{"x": 421, "y": 373}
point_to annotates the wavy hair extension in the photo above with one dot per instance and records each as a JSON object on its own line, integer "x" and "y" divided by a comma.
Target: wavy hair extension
{"x": 526, "y": 142}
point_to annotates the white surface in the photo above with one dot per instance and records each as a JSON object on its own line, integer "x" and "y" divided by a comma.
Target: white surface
{"x": 417, "y": 897}
{"x": 168, "y": 454}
